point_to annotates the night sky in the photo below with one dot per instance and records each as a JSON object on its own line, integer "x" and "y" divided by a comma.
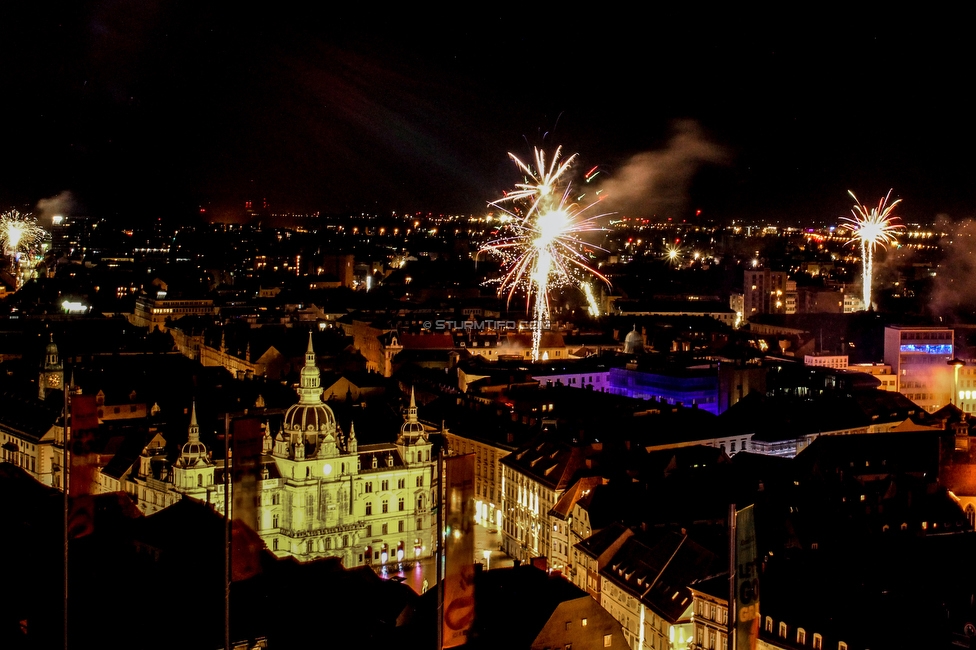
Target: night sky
{"x": 155, "y": 108}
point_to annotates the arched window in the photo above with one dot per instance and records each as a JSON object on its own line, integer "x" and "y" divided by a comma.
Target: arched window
{"x": 782, "y": 629}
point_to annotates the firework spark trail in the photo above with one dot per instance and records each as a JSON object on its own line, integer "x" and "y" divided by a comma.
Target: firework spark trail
{"x": 541, "y": 248}
{"x": 871, "y": 227}
{"x": 593, "y": 307}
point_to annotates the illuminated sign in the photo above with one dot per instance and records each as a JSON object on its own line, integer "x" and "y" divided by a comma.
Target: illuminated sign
{"x": 928, "y": 349}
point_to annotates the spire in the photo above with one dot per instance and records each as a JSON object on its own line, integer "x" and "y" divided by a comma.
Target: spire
{"x": 352, "y": 430}
{"x": 194, "y": 428}
{"x": 412, "y": 430}
{"x": 412, "y": 409}
{"x": 310, "y": 386}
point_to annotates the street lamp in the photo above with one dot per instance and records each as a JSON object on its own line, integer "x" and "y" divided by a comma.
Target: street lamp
{"x": 956, "y": 365}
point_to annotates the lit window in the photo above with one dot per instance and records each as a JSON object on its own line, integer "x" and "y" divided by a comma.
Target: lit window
{"x": 817, "y": 642}
{"x": 607, "y": 640}
{"x": 782, "y": 629}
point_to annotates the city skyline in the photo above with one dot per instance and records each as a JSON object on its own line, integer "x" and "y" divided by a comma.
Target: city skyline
{"x": 163, "y": 109}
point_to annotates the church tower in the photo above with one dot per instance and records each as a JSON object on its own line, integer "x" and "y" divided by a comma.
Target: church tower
{"x": 193, "y": 471}
{"x": 413, "y": 443}
{"x": 52, "y": 372}
{"x": 309, "y": 427}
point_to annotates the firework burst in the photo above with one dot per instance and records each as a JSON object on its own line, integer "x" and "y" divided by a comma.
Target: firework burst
{"x": 20, "y": 236}
{"x": 871, "y": 227}
{"x": 541, "y": 246}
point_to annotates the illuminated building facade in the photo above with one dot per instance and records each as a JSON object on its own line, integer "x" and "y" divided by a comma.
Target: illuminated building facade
{"x": 487, "y": 475}
{"x": 826, "y": 360}
{"x": 534, "y": 477}
{"x": 30, "y": 429}
{"x": 153, "y": 311}
{"x": 881, "y": 371}
{"x": 30, "y": 437}
{"x": 645, "y": 587}
{"x": 319, "y": 493}
{"x": 710, "y": 622}
{"x": 919, "y": 358}
{"x": 688, "y": 387}
{"x": 965, "y": 380}
{"x": 768, "y": 292}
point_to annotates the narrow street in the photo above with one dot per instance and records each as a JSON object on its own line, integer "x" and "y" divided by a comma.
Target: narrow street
{"x": 415, "y": 574}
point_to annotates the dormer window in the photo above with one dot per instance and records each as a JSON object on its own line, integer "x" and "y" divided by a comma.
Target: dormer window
{"x": 375, "y": 462}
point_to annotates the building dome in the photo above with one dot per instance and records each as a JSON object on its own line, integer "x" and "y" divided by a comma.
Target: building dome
{"x": 192, "y": 452}
{"x": 318, "y": 418}
{"x": 310, "y": 415}
{"x": 411, "y": 430}
{"x": 633, "y": 342}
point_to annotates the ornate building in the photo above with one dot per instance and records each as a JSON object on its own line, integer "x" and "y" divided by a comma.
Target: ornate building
{"x": 319, "y": 492}
{"x": 31, "y": 429}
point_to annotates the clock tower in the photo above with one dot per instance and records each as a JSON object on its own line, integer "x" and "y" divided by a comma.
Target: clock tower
{"x": 52, "y": 372}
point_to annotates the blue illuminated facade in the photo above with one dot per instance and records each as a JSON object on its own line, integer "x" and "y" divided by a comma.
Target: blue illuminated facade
{"x": 689, "y": 387}
{"x": 943, "y": 349}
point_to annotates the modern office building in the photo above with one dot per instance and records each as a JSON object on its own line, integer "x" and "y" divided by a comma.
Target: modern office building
{"x": 919, "y": 357}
